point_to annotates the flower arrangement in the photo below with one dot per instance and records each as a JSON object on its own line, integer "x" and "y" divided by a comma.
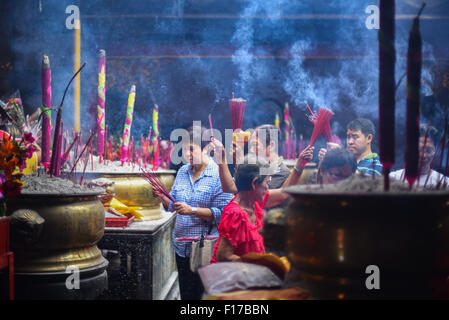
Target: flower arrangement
{"x": 13, "y": 155}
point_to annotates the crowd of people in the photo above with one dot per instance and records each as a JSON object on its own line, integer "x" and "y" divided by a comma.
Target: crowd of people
{"x": 229, "y": 200}
{"x": 214, "y": 197}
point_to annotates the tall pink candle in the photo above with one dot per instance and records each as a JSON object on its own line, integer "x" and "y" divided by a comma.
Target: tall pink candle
{"x": 46, "y": 106}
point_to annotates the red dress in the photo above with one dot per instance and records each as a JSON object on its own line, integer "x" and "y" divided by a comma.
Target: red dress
{"x": 240, "y": 232}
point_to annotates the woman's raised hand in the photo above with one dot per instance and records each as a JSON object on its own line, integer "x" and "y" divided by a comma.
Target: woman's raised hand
{"x": 329, "y": 146}
{"x": 306, "y": 155}
{"x": 219, "y": 149}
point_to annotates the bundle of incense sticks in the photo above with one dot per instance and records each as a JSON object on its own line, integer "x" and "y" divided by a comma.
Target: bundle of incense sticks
{"x": 156, "y": 183}
{"x": 321, "y": 126}
{"x": 322, "y": 120}
{"x": 237, "y": 106}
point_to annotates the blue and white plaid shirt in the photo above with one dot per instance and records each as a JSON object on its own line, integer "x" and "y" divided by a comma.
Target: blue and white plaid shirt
{"x": 206, "y": 192}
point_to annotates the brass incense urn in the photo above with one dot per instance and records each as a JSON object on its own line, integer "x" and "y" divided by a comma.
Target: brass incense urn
{"x": 53, "y": 236}
{"x": 369, "y": 245}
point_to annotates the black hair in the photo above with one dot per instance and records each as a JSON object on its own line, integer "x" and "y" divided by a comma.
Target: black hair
{"x": 432, "y": 132}
{"x": 265, "y": 128}
{"x": 338, "y": 157}
{"x": 366, "y": 126}
{"x": 251, "y": 169}
{"x": 204, "y": 143}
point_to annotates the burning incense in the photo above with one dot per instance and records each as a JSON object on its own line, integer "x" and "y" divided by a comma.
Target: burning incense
{"x": 128, "y": 123}
{"x": 414, "y": 64}
{"x": 321, "y": 126}
{"x": 101, "y": 98}
{"x": 387, "y": 57}
{"x": 320, "y": 123}
{"x": 211, "y": 129}
{"x": 310, "y": 110}
{"x": 46, "y": 110}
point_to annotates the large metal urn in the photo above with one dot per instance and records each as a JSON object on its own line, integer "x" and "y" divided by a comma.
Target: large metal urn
{"x": 369, "y": 245}
{"x": 54, "y": 239}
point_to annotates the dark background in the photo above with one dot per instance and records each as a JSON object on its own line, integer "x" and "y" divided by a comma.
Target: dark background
{"x": 193, "y": 54}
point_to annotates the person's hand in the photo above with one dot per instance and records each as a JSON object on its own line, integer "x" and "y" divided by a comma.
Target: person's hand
{"x": 157, "y": 193}
{"x": 329, "y": 146}
{"x": 218, "y": 147}
{"x": 332, "y": 145}
{"x": 238, "y": 151}
{"x": 183, "y": 208}
{"x": 321, "y": 154}
{"x": 305, "y": 156}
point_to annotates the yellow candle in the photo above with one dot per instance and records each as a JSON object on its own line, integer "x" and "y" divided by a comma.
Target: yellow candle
{"x": 77, "y": 84}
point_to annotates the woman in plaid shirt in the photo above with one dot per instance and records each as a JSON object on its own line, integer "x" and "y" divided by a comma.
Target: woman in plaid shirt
{"x": 199, "y": 201}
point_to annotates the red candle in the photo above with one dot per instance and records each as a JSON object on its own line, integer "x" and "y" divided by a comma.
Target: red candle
{"x": 414, "y": 64}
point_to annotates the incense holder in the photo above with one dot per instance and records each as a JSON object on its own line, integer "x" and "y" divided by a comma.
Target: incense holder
{"x": 369, "y": 245}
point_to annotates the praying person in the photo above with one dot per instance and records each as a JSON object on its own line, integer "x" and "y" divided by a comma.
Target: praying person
{"x": 199, "y": 201}
{"x": 263, "y": 144}
{"x": 242, "y": 218}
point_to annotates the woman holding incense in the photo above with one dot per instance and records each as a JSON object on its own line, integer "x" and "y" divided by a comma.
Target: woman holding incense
{"x": 227, "y": 181}
{"x": 242, "y": 217}
{"x": 199, "y": 201}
